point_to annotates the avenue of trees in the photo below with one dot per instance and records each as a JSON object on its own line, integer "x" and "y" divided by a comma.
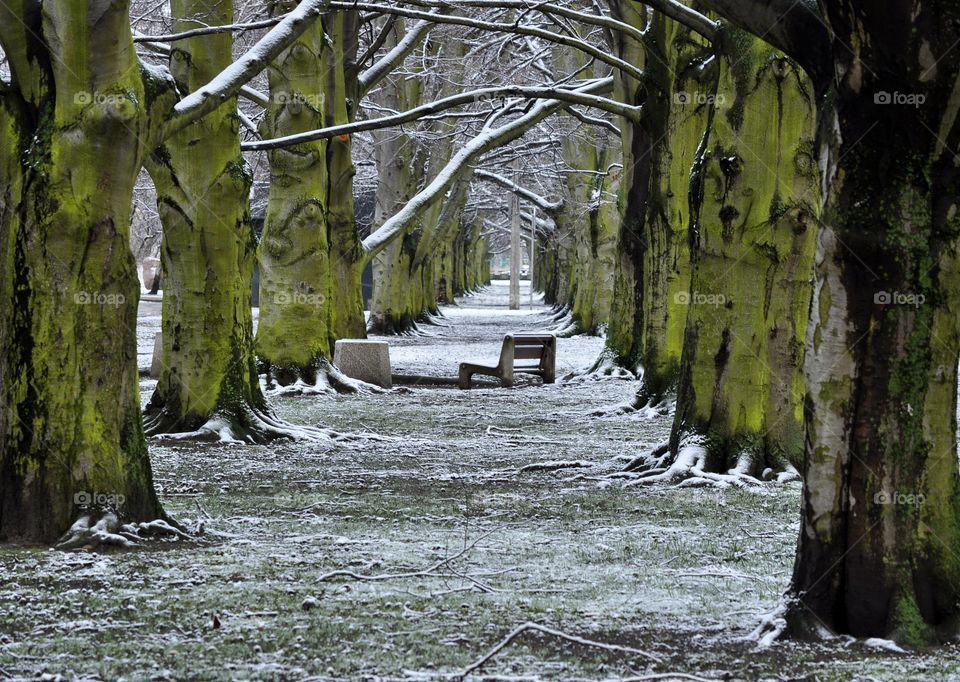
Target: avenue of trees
{"x": 755, "y": 200}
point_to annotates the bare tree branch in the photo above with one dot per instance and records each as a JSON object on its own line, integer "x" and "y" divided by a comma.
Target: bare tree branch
{"x": 542, "y": 203}
{"x": 574, "y": 96}
{"x": 489, "y": 139}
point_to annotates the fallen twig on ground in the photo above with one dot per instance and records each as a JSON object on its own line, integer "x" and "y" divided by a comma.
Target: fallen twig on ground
{"x": 553, "y": 466}
{"x": 528, "y": 626}
{"x": 430, "y": 571}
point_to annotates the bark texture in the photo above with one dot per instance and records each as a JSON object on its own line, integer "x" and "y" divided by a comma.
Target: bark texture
{"x": 754, "y": 223}
{"x": 881, "y": 504}
{"x": 310, "y": 254}
{"x": 73, "y": 133}
{"x": 662, "y": 157}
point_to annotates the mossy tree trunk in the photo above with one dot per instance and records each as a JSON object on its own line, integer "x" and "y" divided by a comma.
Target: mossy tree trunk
{"x": 80, "y": 127}
{"x": 596, "y": 239}
{"x": 294, "y": 333}
{"x": 661, "y": 159}
{"x": 394, "y": 152}
{"x": 209, "y": 370}
{"x": 740, "y": 397}
{"x": 347, "y": 258}
{"x": 881, "y": 503}
{"x": 587, "y": 226}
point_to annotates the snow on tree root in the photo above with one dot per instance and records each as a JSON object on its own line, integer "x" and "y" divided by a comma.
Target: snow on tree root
{"x": 687, "y": 469}
{"x": 90, "y": 532}
{"x": 255, "y": 427}
{"x": 605, "y": 368}
{"x": 328, "y": 381}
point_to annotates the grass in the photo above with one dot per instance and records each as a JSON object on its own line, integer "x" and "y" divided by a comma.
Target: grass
{"x": 683, "y": 574}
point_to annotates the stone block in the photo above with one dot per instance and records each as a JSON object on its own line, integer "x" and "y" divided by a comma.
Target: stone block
{"x": 364, "y": 360}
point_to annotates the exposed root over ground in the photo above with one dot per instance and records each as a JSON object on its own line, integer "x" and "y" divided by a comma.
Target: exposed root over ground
{"x": 92, "y": 531}
{"x": 328, "y": 380}
{"x": 251, "y": 427}
{"x": 689, "y": 468}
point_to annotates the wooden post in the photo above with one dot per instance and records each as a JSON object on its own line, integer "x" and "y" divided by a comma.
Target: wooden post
{"x": 533, "y": 247}
{"x": 515, "y": 254}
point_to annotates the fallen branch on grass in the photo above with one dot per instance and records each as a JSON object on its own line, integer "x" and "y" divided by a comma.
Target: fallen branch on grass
{"x": 667, "y": 676}
{"x": 527, "y": 627}
{"x": 553, "y": 466}
{"x": 430, "y": 571}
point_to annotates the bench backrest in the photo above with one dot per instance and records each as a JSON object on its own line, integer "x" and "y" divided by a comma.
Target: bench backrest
{"x": 539, "y": 347}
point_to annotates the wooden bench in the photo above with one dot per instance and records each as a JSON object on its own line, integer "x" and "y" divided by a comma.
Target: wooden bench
{"x": 541, "y": 348}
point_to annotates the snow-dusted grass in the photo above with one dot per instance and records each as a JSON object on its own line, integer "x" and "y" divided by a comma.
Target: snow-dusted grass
{"x": 682, "y": 574}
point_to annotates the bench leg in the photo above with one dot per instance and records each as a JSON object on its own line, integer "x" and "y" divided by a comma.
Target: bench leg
{"x": 464, "y": 380}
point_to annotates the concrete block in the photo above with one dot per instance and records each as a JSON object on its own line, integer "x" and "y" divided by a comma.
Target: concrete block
{"x": 156, "y": 364}
{"x": 364, "y": 360}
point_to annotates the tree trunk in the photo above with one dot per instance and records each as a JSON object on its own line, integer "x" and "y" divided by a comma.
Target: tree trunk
{"x": 208, "y": 381}
{"x": 347, "y": 259}
{"x": 404, "y": 273}
{"x": 294, "y": 333}
{"x": 71, "y": 437}
{"x": 661, "y": 158}
{"x": 597, "y": 241}
{"x": 740, "y": 396}
{"x": 881, "y": 501}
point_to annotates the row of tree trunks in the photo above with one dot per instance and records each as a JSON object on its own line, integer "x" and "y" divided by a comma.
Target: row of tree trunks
{"x": 407, "y": 274}
{"x": 208, "y": 378}
{"x": 577, "y": 274}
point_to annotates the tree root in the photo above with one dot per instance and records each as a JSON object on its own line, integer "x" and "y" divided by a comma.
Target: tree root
{"x": 328, "y": 380}
{"x": 772, "y": 625}
{"x": 687, "y": 469}
{"x": 605, "y": 367}
{"x": 543, "y": 629}
{"x": 107, "y": 531}
{"x": 252, "y": 426}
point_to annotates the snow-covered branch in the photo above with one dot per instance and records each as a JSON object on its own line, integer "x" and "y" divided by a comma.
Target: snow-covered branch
{"x": 514, "y": 27}
{"x": 602, "y": 20}
{"x": 228, "y": 82}
{"x": 571, "y": 95}
{"x": 206, "y": 30}
{"x": 540, "y": 202}
{"x": 392, "y": 58}
{"x": 687, "y": 16}
{"x": 489, "y": 139}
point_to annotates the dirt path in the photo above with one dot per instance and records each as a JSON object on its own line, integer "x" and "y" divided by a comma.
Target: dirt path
{"x": 464, "y": 543}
